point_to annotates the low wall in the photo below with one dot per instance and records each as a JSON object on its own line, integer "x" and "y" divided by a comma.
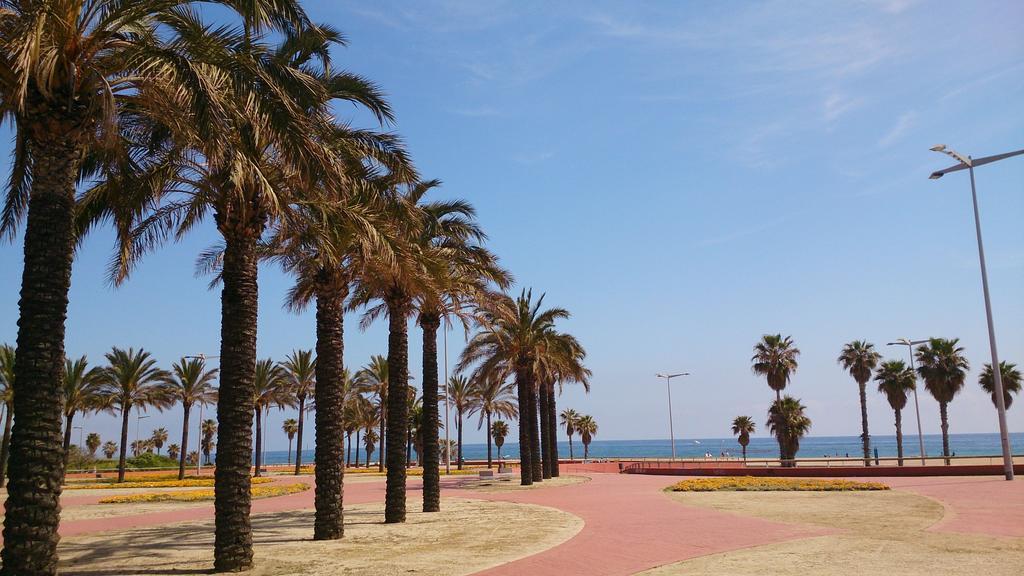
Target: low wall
{"x": 823, "y": 472}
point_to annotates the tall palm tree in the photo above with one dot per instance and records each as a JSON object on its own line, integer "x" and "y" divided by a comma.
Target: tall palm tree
{"x": 943, "y": 367}
{"x": 7, "y": 355}
{"x": 372, "y": 379}
{"x": 131, "y": 380}
{"x": 290, "y": 427}
{"x": 568, "y": 419}
{"x": 587, "y": 428}
{"x": 560, "y": 362}
{"x": 499, "y": 430}
{"x": 787, "y": 421}
{"x": 208, "y": 429}
{"x": 270, "y": 389}
{"x": 299, "y": 372}
{"x": 109, "y": 448}
{"x": 493, "y": 397}
{"x": 81, "y": 394}
{"x": 775, "y": 358}
{"x": 92, "y": 443}
{"x": 895, "y": 379}
{"x": 190, "y": 384}
{"x": 743, "y": 427}
{"x": 511, "y": 336}
{"x": 460, "y": 393}
{"x": 1010, "y": 377}
{"x": 859, "y": 358}
{"x": 158, "y": 437}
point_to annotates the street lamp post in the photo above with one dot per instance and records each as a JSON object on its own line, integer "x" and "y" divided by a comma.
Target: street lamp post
{"x": 969, "y": 163}
{"x": 138, "y": 424}
{"x": 447, "y": 442}
{"x": 917, "y": 408}
{"x": 668, "y": 386}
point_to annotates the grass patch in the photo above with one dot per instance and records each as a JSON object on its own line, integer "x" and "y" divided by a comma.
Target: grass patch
{"x": 200, "y": 495}
{"x": 756, "y": 484}
{"x": 169, "y": 483}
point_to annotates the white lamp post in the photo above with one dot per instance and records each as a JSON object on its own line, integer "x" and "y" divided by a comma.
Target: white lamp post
{"x": 668, "y": 387}
{"x": 917, "y": 408}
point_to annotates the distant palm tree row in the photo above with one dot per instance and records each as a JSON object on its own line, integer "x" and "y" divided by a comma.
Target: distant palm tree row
{"x": 575, "y": 423}
{"x": 940, "y": 363}
{"x": 145, "y": 116}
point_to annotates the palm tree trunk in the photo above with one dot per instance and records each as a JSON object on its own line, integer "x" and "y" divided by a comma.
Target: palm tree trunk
{"x": 458, "y": 429}
{"x": 348, "y": 449}
{"x": 232, "y": 549}
{"x": 408, "y": 446}
{"x": 398, "y": 409}
{"x": 865, "y": 438}
{"x": 523, "y": 395}
{"x": 744, "y": 448}
{"x": 184, "y": 442}
{"x": 381, "y": 438}
{"x": 69, "y": 419}
{"x": 899, "y": 437}
{"x": 537, "y": 467}
{"x": 290, "y": 450}
{"x": 586, "y": 450}
{"x": 36, "y": 467}
{"x": 944, "y": 415}
{"x": 545, "y": 440}
{"x": 489, "y": 440}
{"x": 126, "y": 412}
{"x": 571, "y": 457}
{"x": 553, "y": 430}
{"x": 259, "y": 442}
{"x": 328, "y": 523}
{"x": 358, "y": 434}
{"x": 5, "y": 445}
{"x": 298, "y": 435}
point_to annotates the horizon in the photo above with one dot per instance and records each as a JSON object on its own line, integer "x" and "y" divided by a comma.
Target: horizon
{"x": 683, "y": 183}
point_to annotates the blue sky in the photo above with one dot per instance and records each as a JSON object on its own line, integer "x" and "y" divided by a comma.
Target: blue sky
{"x": 684, "y": 177}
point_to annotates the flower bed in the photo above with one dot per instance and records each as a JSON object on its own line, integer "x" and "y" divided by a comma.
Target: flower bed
{"x": 761, "y": 484}
{"x": 200, "y": 495}
{"x": 174, "y": 483}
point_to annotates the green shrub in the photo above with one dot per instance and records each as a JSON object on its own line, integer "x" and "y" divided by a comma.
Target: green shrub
{"x": 149, "y": 460}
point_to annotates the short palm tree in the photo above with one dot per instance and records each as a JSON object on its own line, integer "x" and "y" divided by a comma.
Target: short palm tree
{"x": 109, "y": 448}
{"x": 1010, "y": 377}
{"x": 372, "y": 379}
{"x": 370, "y": 443}
{"x": 7, "y": 355}
{"x": 173, "y": 451}
{"x": 460, "y": 394}
{"x": 131, "y": 380}
{"x": 92, "y": 443}
{"x": 743, "y": 427}
{"x": 859, "y": 358}
{"x": 587, "y": 427}
{"x": 208, "y": 430}
{"x": 290, "y": 427}
{"x": 270, "y": 389}
{"x": 568, "y": 419}
{"x": 493, "y": 397}
{"x": 499, "y": 430}
{"x": 775, "y": 358}
{"x": 158, "y": 438}
{"x": 190, "y": 384}
{"x": 787, "y": 421}
{"x": 895, "y": 379}
{"x": 81, "y": 395}
{"x": 300, "y": 375}
{"x": 943, "y": 367}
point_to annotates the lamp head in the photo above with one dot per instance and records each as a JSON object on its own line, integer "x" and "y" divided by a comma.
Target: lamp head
{"x": 938, "y": 148}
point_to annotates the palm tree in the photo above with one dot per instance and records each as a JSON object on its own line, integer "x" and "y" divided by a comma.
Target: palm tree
{"x": 775, "y": 359}
{"x": 208, "y": 429}
{"x": 1010, "y": 377}
{"x": 158, "y": 438}
{"x": 300, "y": 371}
{"x": 460, "y": 394}
{"x": 943, "y": 367}
{"x": 369, "y": 442}
{"x": 131, "y": 380}
{"x": 743, "y": 426}
{"x": 568, "y": 420}
{"x": 73, "y": 76}
{"x": 290, "y": 427}
{"x": 493, "y": 397}
{"x": 787, "y": 421}
{"x": 372, "y": 379}
{"x": 859, "y": 358}
{"x": 173, "y": 451}
{"x": 270, "y": 389}
{"x": 7, "y": 355}
{"x": 512, "y": 335}
{"x": 895, "y": 379}
{"x": 190, "y": 384}
{"x": 92, "y": 443}
{"x": 587, "y": 428}
{"x": 560, "y": 362}
{"x": 109, "y": 448}
{"x": 499, "y": 430}
{"x": 81, "y": 387}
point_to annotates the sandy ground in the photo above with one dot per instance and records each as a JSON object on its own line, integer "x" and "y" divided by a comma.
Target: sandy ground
{"x": 877, "y": 533}
{"x": 466, "y": 536}
{"x": 511, "y": 483}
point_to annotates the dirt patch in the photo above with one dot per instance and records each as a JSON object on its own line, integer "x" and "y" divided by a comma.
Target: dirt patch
{"x": 879, "y": 533}
{"x": 511, "y": 483}
{"x": 465, "y": 537}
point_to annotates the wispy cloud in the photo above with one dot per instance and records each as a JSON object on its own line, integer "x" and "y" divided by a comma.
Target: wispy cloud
{"x": 837, "y": 105}
{"x": 903, "y": 123}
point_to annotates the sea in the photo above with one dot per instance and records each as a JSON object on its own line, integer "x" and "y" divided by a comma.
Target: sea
{"x": 762, "y": 447}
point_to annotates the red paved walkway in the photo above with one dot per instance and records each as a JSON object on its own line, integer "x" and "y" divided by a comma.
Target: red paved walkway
{"x": 983, "y": 505}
